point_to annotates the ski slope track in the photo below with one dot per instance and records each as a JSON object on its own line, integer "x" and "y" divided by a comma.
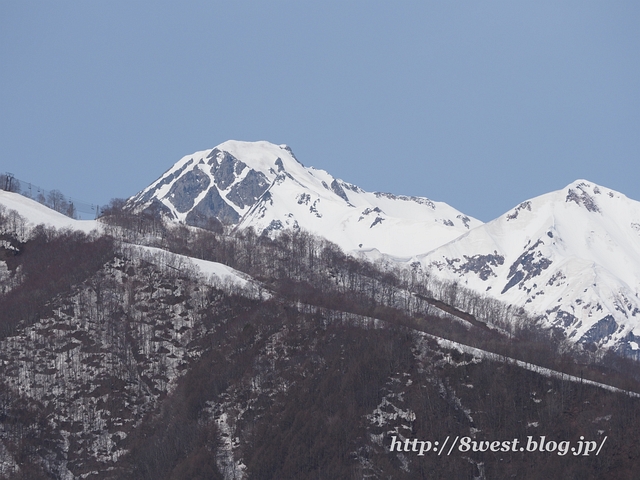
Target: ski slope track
{"x": 35, "y": 213}
{"x": 571, "y": 257}
{"x": 264, "y": 186}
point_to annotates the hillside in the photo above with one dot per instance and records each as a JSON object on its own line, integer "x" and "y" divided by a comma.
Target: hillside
{"x": 151, "y": 350}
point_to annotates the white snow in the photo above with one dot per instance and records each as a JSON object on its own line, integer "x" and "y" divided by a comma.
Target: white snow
{"x": 35, "y": 213}
{"x": 215, "y": 273}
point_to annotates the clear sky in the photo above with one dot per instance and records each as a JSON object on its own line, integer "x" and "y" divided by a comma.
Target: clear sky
{"x": 478, "y": 104}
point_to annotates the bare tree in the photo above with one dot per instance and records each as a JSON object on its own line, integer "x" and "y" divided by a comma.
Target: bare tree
{"x": 57, "y": 201}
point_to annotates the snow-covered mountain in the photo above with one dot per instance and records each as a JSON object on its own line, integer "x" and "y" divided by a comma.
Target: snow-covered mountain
{"x": 571, "y": 256}
{"x": 264, "y": 186}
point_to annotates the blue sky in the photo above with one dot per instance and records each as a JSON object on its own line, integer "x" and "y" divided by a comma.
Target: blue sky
{"x": 478, "y": 104}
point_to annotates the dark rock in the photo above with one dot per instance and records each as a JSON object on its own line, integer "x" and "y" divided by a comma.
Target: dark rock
{"x": 565, "y": 318}
{"x": 582, "y": 198}
{"x": 376, "y": 221}
{"x": 157, "y": 209}
{"x": 602, "y": 329}
{"x": 625, "y": 348}
{"x": 288, "y": 149}
{"x": 479, "y": 264}
{"x": 337, "y": 189}
{"x": 274, "y": 226}
{"x": 212, "y": 206}
{"x": 185, "y": 190}
{"x": 225, "y": 168}
{"x": 247, "y": 191}
{"x": 528, "y": 265}
{"x": 464, "y": 219}
{"x": 523, "y": 206}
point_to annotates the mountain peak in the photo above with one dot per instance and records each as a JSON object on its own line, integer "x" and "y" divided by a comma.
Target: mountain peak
{"x": 578, "y": 198}
{"x": 264, "y": 186}
{"x": 571, "y": 256}
{"x": 260, "y": 155}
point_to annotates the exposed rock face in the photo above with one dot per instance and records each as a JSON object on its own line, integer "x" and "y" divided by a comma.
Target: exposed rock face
{"x": 601, "y": 330}
{"x": 212, "y": 206}
{"x": 480, "y": 264}
{"x": 528, "y": 265}
{"x": 246, "y": 192}
{"x": 338, "y": 190}
{"x": 214, "y": 190}
{"x": 225, "y": 168}
{"x": 187, "y": 188}
{"x": 581, "y": 197}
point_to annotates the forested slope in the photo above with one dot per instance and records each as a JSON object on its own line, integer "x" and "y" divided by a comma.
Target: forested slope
{"x": 117, "y": 362}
